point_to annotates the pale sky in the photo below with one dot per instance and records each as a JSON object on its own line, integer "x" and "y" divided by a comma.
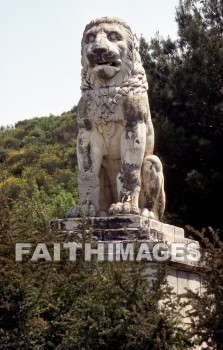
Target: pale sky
{"x": 40, "y": 48}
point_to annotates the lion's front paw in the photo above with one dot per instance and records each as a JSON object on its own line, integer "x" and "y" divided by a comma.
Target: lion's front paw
{"x": 74, "y": 212}
{"x": 123, "y": 208}
{"x": 82, "y": 210}
{"x": 147, "y": 213}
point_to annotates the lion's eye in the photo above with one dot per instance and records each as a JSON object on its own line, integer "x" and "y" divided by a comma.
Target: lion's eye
{"x": 113, "y": 36}
{"x": 90, "y": 38}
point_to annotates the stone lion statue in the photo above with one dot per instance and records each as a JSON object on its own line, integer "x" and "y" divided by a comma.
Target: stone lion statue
{"x": 118, "y": 173}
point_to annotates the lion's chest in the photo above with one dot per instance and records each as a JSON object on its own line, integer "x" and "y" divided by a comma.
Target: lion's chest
{"x": 106, "y": 119}
{"x": 100, "y": 109}
{"x": 111, "y": 134}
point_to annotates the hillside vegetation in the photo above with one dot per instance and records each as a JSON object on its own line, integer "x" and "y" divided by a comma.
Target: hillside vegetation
{"x": 38, "y": 157}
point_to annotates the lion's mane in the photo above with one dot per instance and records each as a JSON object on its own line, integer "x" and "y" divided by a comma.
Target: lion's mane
{"x": 132, "y": 76}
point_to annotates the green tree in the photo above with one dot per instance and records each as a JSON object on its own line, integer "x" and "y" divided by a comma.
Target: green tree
{"x": 207, "y": 307}
{"x": 78, "y": 305}
{"x": 186, "y": 93}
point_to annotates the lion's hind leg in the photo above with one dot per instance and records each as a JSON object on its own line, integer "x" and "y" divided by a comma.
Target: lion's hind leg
{"x": 153, "y": 203}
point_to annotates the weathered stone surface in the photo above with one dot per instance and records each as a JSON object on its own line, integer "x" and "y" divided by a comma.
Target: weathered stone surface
{"x": 194, "y": 282}
{"x": 181, "y": 280}
{"x": 178, "y": 232}
{"x": 127, "y": 228}
{"x": 118, "y": 173}
{"x": 113, "y": 225}
{"x": 172, "y": 280}
{"x": 168, "y": 232}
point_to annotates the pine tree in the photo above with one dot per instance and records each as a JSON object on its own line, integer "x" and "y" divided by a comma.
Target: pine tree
{"x": 186, "y": 94}
{"x": 207, "y": 308}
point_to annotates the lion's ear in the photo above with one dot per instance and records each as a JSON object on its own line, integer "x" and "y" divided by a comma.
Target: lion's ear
{"x": 136, "y": 55}
{"x": 135, "y": 42}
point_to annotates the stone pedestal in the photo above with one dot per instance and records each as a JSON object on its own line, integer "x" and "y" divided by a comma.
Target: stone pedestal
{"x": 183, "y": 273}
{"x": 119, "y": 227}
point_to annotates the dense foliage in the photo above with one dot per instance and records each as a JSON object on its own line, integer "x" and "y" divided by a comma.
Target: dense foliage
{"x": 38, "y": 157}
{"x": 186, "y": 94}
{"x": 207, "y": 309}
{"x": 77, "y": 304}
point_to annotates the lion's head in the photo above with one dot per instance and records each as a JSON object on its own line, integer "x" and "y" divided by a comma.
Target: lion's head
{"x": 110, "y": 56}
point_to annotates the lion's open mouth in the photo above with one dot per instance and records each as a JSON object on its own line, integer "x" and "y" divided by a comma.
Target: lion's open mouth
{"x": 113, "y": 64}
{"x": 107, "y": 68}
